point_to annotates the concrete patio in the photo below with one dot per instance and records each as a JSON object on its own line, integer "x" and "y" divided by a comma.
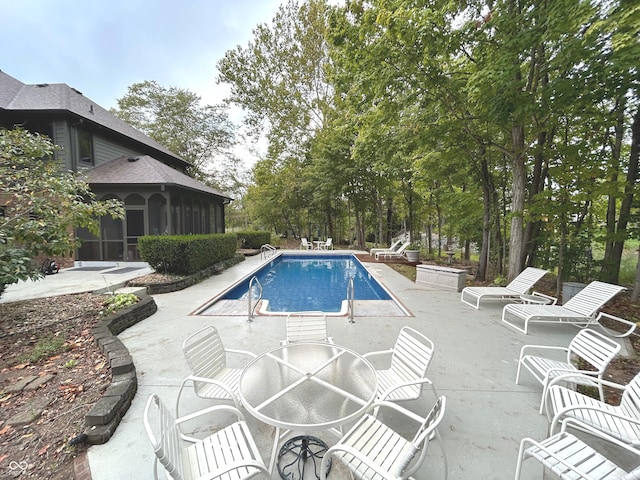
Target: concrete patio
{"x": 474, "y": 366}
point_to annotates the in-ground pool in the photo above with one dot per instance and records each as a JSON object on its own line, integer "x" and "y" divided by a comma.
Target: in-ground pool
{"x": 307, "y": 282}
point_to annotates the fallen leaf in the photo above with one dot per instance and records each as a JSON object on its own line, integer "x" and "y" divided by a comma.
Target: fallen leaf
{"x": 4, "y": 430}
{"x": 43, "y": 450}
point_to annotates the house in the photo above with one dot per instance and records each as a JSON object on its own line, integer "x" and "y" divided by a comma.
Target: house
{"x": 119, "y": 162}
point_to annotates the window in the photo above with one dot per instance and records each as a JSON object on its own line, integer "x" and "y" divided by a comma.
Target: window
{"x": 85, "y": 146}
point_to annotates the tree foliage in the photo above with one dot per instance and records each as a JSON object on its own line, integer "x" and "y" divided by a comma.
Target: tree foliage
{"x": 201, "y": 134}
{"x": 41, "y": 205}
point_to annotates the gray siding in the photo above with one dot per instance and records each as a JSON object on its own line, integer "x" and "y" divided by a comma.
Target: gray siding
{"x": 105, "y": 150}
{"x": 62, "y": 138}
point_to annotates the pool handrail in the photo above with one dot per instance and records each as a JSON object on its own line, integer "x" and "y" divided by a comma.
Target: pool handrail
{"x": 266, "y": 251}
{"x": 351, "y": 294}
{"x": 252, "y": 307}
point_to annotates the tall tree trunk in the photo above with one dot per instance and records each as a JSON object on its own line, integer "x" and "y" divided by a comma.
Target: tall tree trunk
{"x": 487, "y": 187}
{"x": 612, "y": 263}
{"x": 516, "y": 241}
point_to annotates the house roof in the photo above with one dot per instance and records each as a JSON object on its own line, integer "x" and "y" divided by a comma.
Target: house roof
{"x": 18, "y": 96}
{"x": 144, "y": 170}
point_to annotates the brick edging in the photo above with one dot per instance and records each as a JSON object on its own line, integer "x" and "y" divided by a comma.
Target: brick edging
{"x": 105, "y": 415}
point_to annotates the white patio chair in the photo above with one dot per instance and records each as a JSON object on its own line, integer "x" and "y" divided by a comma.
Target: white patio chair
{"x": 569, "y": 458}
{"x": 328, "y": 245}
{"x": 230, "y": 453}
{"x": 394, "y": 246}
{"x": 588, "y": 354}
{"x": 372, "y": 450}
{"x": 305, "y": 244}
{"x": 580, "y": 310}
{"x": 410, "y": 359}
{"x": 207, "y": 359}
{"x": 520, "y": 285}
{"x": 306, "y": 327}
{"x": 620, "y": 422}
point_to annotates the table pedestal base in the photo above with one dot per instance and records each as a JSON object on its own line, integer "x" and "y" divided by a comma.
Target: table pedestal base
{"x": 296, "y": 452}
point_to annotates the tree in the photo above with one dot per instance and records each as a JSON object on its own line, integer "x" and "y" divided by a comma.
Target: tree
{"x": 41, "y": 205}
{"x": 202, "y": 135}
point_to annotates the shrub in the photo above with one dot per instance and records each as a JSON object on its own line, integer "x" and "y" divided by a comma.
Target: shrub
{"x": 186, "y": 254}
{"x": 253, "y": 239}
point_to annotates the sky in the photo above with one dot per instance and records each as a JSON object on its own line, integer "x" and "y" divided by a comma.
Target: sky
{"x": 102, "y": 47}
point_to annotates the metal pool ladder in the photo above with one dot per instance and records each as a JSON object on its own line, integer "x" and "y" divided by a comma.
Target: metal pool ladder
{"x": 266, "y": 251}
{"x": 252, "y": 306}
{"x": 350, "y": 299}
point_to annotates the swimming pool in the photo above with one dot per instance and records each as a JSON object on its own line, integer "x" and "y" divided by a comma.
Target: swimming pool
{"x": 307, "y": 282}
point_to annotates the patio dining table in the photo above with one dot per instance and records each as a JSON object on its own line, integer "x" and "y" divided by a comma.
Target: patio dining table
{"x": 306, "y": 387}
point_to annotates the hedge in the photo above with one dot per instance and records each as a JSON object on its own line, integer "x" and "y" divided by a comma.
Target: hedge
{"x": 186, "y": 254}
{"x": 253, "y": 239}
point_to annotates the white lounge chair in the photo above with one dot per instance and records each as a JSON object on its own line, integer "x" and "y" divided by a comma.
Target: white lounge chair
{"x": 372, "y": 450}
{"x": 520, "y": 285}
{"x": 307, "y": 327}
{"x": 589, "y": 353}
{"x": 620, "y": 422}
{"x": 230, "y": 453}
{"x": 393, "y": 255}
{"x": 394, "y": 246}
{"x": 305, "y": 244}
{"x": 328, "y": 244}
{"x": 407, "y": 373}
{"x": 207, "y": 359}
{"x": 580, "y": 310}
{"x": 569, "y": 458}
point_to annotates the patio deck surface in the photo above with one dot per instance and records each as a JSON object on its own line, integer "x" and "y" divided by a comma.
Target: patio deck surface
{"x": 474, "y": 366}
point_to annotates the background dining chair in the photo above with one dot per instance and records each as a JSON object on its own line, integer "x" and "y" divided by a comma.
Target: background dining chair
{"x": 230, "y": 453}
{"x": 207, "y": 359}
{"x": 587, "y": 356}
{"x": 569, "y": 458}
{"x": 407, "y": 373}
{"x": 373, "y": 450}
{"x": 306, "y": 327}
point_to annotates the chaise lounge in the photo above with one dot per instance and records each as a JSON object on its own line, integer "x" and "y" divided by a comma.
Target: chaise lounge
{"x": 520, "y": 285}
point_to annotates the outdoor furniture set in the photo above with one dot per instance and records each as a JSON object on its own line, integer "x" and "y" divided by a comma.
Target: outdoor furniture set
{"x": 320, "y": 244}
{"x": 585, "y": 361}
{"x": 301, "y": 386}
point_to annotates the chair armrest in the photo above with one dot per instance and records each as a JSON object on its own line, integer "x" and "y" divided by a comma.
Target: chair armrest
{"x": 240, "y": 352}
{"x": 591, "y": 408}
{"x": 206, "y": 411}
{"x": 526, "y": 348}
{"x": 631, "y": 326}
{"x": 419, "y": 381}
{"x": 576, "y": 423}
{"x": 375, "y": 407}
{"x": 553, "y": 300}
{"x": 588, "y": 378}
{"x": 378, "y": 353}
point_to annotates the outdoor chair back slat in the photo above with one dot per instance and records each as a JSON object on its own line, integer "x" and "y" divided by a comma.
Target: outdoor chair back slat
{"x": 591, "y": 298}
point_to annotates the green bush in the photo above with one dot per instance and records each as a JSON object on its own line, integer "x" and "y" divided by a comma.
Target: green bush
{"x": 253, "y": 239}
{"x": 186, "y": 254}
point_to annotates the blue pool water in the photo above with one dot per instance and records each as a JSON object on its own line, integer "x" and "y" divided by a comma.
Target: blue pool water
{"x": 294, "y": 283}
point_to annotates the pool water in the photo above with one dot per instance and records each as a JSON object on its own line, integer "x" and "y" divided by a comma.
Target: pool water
{"x": 295, "y": 283}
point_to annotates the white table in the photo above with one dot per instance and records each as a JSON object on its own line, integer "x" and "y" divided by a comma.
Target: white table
{"x": 534, "y": 299}
{"x": 319, "y": 244}
{"x": 307, "y": 387}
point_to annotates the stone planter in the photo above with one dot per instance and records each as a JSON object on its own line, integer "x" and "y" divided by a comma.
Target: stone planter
{"x": 442, "y": 277}
{"x": 412, "y": 255}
